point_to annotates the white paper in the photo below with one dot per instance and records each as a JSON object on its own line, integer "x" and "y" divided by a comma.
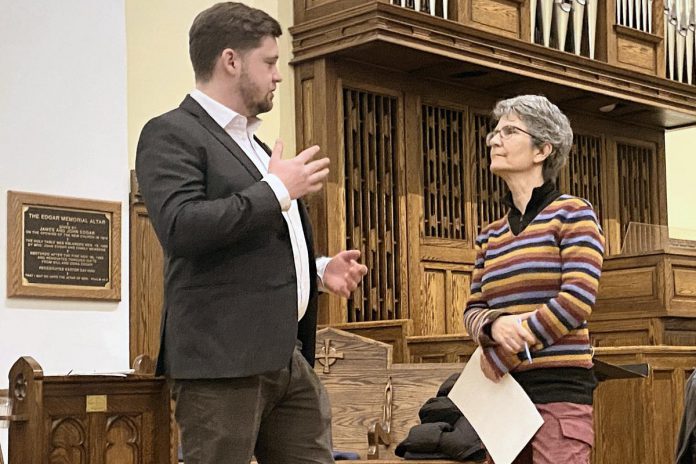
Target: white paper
{"x": 501, "y": 413}
{"x": 110, "y": 374}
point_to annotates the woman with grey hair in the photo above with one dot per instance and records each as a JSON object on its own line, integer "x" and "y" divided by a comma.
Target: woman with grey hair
{"x": 535, "y": 280}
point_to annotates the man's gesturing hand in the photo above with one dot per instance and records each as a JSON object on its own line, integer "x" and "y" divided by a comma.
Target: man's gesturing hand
{"x": 344, "y": 273}
{"x": 302, "y": 174}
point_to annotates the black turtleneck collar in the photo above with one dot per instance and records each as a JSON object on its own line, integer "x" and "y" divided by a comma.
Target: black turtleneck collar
{"x": 542, "y": 197}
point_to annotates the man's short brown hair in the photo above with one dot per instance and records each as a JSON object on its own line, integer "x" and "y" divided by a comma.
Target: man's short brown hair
{"x": 226, "y": 25}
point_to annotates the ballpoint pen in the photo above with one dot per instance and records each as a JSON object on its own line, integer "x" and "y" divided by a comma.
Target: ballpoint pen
{"x": 526, "y": 346}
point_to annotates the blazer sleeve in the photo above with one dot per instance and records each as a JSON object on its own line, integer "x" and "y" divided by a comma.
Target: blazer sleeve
{"x": 171, "y": 171}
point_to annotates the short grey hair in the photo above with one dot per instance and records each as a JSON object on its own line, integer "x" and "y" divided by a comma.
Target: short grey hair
{"x": 546, "y": 122}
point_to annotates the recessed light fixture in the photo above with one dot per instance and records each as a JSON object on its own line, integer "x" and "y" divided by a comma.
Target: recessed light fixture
{"x": 607, "y": 108}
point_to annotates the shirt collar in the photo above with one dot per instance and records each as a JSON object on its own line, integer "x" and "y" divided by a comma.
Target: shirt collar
{"x": 539, "y": 196}
{"x": 224, "y": 116}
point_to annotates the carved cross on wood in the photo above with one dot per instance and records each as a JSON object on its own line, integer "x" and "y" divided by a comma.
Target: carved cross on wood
{"x": 328, "y": 355}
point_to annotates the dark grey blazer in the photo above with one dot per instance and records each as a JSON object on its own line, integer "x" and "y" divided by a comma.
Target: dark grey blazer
{"x": 230, "y": 289}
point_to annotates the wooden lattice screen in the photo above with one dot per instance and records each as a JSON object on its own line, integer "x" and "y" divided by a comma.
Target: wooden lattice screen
{"x": 582, "y": 176}
{"x": 444, "y": 173}
{"x": 637, "y": 191}
{"x": 372, "y": 213}
{"x": 489, "y": 189}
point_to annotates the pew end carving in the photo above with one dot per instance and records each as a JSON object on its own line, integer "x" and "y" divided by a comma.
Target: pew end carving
{"x": 379, "y": 432}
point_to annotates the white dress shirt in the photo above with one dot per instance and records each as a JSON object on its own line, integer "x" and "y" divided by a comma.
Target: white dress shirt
{"x": 242, "y": 130}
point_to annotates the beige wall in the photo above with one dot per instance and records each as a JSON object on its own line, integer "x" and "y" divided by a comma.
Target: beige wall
{"x": 681, "y": 182}
{"x": 159, "y": 70}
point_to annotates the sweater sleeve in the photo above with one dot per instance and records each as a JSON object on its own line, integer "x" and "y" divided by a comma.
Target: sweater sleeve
{"x": 477, "y": 315}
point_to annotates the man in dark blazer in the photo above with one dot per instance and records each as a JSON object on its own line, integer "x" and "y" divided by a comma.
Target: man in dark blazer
{"x": 241, "y": 278}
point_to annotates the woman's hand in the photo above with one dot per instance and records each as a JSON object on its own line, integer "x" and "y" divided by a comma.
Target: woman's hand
{"x": 508, "y": 332}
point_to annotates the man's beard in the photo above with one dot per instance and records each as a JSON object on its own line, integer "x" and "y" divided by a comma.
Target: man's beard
{"x": 253, "y": 104}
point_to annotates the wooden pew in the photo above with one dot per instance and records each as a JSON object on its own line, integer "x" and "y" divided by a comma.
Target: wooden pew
{"x": 94, "y": 419}
{"x": 636, "y": 420}
{"x": 374, "y": 401}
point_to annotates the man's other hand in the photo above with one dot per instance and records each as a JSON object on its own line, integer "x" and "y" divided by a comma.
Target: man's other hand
{"x": 344, "y": 273}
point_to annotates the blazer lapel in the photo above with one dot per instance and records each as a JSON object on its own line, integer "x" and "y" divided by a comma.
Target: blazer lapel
{"x": 304, "y": 217}
{"x": 191, "y": 106}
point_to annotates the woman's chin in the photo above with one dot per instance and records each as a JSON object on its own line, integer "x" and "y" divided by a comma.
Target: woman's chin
{"x": 496, "y": 168}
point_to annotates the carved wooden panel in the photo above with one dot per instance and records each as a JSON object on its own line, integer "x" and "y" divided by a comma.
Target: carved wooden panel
{"x": 635, "y": 52}
{"x": 633, "y": 283}
{"x": 626, "y": 332}
{"x": 68, "y": 441}
{"x": 684, "y": 282}
{"x": 444, "y": 172}
{"x": 123, "y": 442}
{"x": 681, "y": 276}
{"x": 679, "y": 331}
{"x": 146, "y": 290}
{"x": 582, "y": 176}
{"x": 502, "y": 17}
{"x": 667, "y": 397}
{"x": 489, "y": 189}
{"x": 672, "y": 331}
{"x": 459, "y": 294}
{"x": 431, "y": 319}
{"x": 638, "y": 195}
{"x": 631, "y": 288}
{"x": 440, "y": 348}
{"x": 613, "y": 412}
{"x": 444, "y": 292}
{"x": 371, "y": 202}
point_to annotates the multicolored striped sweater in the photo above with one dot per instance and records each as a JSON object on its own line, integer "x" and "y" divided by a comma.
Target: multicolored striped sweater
{"x": 551, "y": 267}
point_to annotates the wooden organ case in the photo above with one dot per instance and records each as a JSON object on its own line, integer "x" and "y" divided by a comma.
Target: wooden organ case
{"x": 398, "y": 94}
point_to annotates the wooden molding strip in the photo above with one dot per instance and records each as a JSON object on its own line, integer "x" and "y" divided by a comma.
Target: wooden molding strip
{"x": 381, "y": 22}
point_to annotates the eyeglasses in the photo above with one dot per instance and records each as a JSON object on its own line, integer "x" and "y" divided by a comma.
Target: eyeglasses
{"x": 506, "y": 132}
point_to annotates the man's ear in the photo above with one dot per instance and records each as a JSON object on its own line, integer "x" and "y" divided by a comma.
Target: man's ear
{"x": 230, "y": 61}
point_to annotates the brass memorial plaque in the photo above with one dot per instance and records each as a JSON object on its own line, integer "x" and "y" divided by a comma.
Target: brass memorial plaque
{"x": 66, "y": 247}
{"x": 96, "y": 403}
{"x": 63, "y": 247}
